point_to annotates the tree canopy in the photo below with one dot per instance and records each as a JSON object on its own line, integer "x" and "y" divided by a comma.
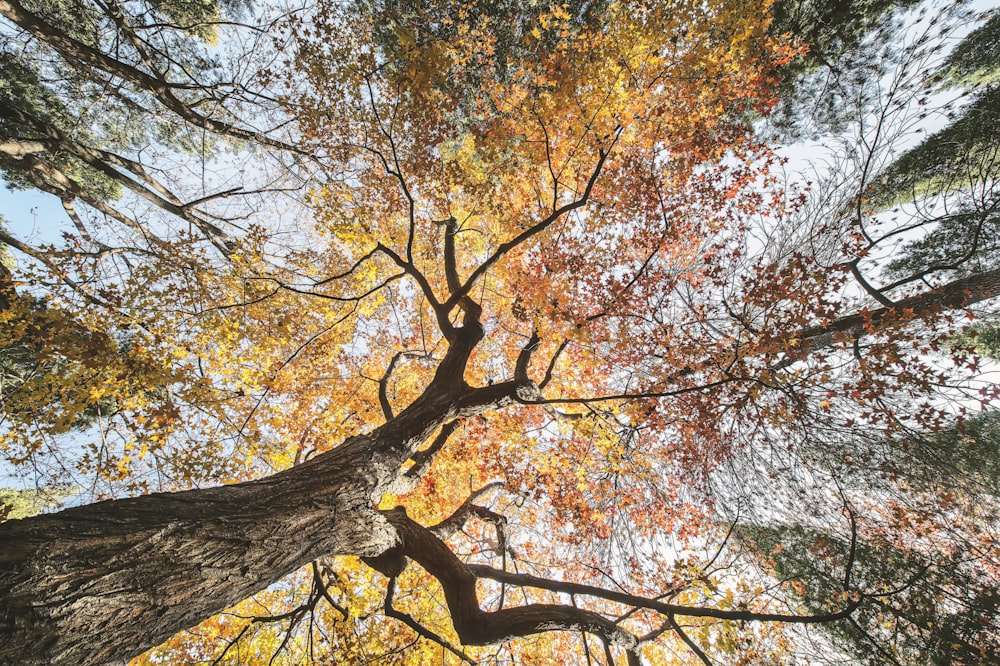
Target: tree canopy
{"x": 498, "y": 332}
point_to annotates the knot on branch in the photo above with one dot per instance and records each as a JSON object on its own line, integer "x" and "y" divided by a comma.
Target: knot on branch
{"x": 528, "y": 391}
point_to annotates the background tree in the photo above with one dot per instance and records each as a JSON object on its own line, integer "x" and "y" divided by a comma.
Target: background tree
{"x": 937, "y": 611}
{"x": 930, "y": 197}
{"x": 82, "y": 80}
{"x": 553, "y": 328}
{"x": 818, "y": 87}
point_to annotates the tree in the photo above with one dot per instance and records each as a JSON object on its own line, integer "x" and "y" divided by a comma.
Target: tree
{"x": 938, "y": 611}
{"x": 939, "y": 194}
{"x": 91, "y": 87}
{"x": 959, "y": 159}
{"x": 817, "y": 86}
{"x": 532, "y": 338}
{"x": 931, "y": 601}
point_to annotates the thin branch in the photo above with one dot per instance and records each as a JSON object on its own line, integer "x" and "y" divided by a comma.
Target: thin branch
{"x": 383, "y": 383}
{"x": 417, "y": 627}
{"x": 61, "y": 185}
{"x": 350, "y": 270}
{"x": 849, "y": 566}
{"x": 722, "y": 546}
{"x": 341, "y": 299}
{"x": 409, "y": 269}
{"x": 321, "y": 587}
{"x": 633, "y": 396}
{"x": 687, "y": 641}
{"x": 218, "y": 660}
{"x": 42, "y": 257}
{"x": 534, "y": 230}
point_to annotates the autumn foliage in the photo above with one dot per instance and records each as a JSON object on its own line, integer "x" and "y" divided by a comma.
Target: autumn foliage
{"x": 552, "y": 233}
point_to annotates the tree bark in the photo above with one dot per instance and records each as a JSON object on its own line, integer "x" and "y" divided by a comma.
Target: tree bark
{"x": 102, "y": 583}
{"x": 99, "y": 584}
{"x": 961, "y": 293}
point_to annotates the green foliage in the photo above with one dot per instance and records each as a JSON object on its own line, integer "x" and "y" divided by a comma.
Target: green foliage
{"x": 964, "y": 153}
{"x": 976, "y": 61}
{"x": 513, "y": 32}
{"x": 58, "y": 97}
{"x": 16, "y": 504}
{"x": 959, "y": 162}
{"x": 983, "y": 337}
{"x": 840, "y": 39}
{"x": 191, "y": 15}
{"x": 30, "y": 110}
{"x": 931, "y": 610}
{"x": 85, "y": 22}
{"x": 829, "y": 29}
{"x": 964, "y": 457}
{"x": 965, "y": 242}
{"x": 73, "y": 18}
{"x": 961, "y": 155}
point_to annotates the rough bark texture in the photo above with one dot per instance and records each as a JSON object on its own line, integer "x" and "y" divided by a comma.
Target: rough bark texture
{"x": 101, "y": 583}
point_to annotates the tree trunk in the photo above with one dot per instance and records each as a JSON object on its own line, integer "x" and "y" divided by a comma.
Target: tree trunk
{"x": 101, "y": 583}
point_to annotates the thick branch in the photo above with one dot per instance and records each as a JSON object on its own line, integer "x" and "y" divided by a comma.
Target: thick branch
{"x": 524, "y": 358}
{"x": 425, "y": 287}
{"x": 552, "y": 364}
{"x": 416, "y": 626}
{"x": 422, "y": 458}
{"x": 477, "y": 627}
{"x": 101, "y": 161}
{"x": 469, "y": 508}
{"x": 528, "y": 580}
{"x": 956, "y": 294}
{"x": 450, "y": 263}
{"x": 20, "y": 148}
